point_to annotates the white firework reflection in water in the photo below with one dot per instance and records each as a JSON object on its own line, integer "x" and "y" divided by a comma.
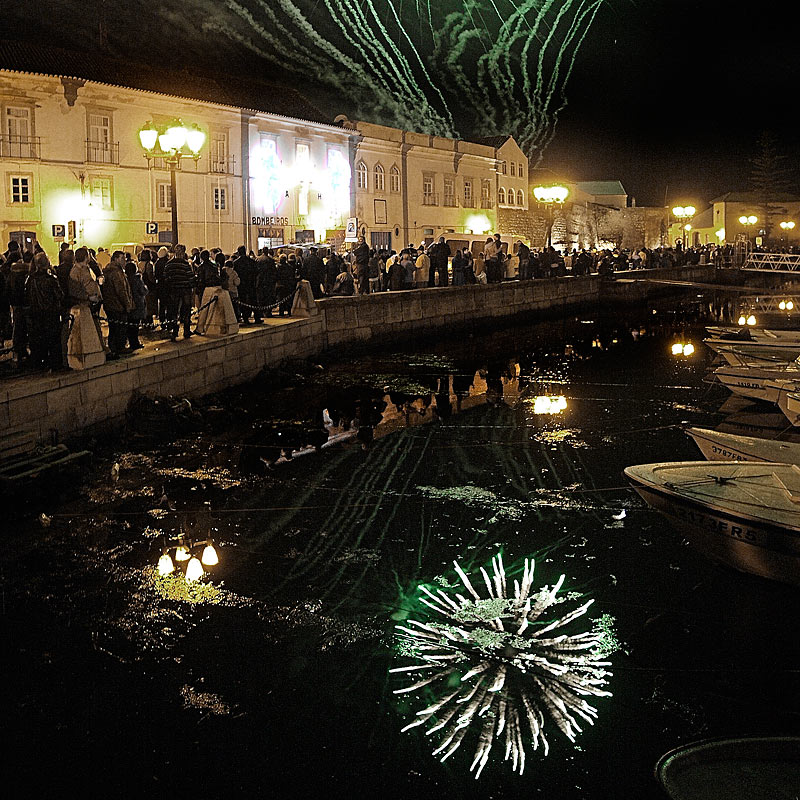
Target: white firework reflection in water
{"x": 493, "y": 664}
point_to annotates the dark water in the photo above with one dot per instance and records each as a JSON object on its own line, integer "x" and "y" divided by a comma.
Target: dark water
{"x": 276, "y": 682}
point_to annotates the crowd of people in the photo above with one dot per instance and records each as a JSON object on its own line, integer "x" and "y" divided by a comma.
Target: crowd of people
{"x": 163, "y": 288}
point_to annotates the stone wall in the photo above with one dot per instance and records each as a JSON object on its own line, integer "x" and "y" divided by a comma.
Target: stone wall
{"x": 60, "y": 405}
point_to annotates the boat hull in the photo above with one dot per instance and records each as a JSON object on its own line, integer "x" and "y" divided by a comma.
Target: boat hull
{"x": 722, "y": 446}
{"x": 759, "y": 384}
{"x": 735, "y": 353}
{"x": 744, "y": 543}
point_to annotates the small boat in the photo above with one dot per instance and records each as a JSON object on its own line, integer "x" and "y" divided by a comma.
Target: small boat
{"x": 759, "y": 381}
{"x": 789, "y": 404}
{"x": 743, "y": 514}
{"x": 737, "y": 352}
{"x": 744, "y": 768}
{"x": 721, "y": 446}
{"x": 745, "y": 334}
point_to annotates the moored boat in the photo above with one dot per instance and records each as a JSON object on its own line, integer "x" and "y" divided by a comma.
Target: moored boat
{"x": 743, "y": 514}
{"x": 745, "y": 334}
{"x": 737, "y": 352}
{"x": 760, "y": 383}
{"x": 722, "y": 446}
{"x": 789, "y": 404}
{"x": 743, "y": 768}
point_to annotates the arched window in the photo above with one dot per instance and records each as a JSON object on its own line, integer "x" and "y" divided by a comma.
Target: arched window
{"x": 361, "y": 175}
{"x": 380, "y": 178}
{"x": 501, "y": 196}
{"x": 520, "y": 198}
{"x": 394, "y": 179}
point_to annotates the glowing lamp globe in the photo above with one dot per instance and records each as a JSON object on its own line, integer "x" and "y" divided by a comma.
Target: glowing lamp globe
{"x": 751, "y": 320}
{"x": 688, "y": 349}
{"x": 743, "y": 219}
{"x": 194, "y": 570}
{"x": 209, "y": 557}
{"x": 752, "y": 219}
{"x": 148, "y": 136}
{"x": 742, "y": 320}
{"x": 677, "y": 349}
{"x": 177, "y": 136}
{"x": 182, "y": 554}
{"x": 195, "y": 139}
{"x": 165, "y": 565}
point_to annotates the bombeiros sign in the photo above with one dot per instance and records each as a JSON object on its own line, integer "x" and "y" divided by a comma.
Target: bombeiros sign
{"x": 269, "y": 221}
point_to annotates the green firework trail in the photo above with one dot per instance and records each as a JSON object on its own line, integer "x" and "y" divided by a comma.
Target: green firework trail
{"x": 501, "y": 65}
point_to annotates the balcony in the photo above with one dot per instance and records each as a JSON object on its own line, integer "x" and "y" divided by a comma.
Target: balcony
{"x": 20, "y": 146}
{"x": 225, "y": 165}
{"x": 102, "y": 152}
{"x": 469, "y": 202}
{"x": 486, "y": 203}
{"x": 430, "y": 199}
{"x": 449, "y": 201}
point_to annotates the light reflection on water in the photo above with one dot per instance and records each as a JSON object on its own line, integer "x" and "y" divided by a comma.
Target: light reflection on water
{"x": 425, "y": 459}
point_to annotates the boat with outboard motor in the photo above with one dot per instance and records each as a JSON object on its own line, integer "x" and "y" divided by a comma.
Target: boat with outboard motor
{"x": 743, "y": 514}
{"x": 722, "y": 446}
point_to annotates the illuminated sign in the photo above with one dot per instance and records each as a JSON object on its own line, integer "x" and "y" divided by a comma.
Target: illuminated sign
{"x": 269, "y": 221}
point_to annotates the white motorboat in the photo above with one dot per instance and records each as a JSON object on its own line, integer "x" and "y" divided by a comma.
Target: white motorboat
{"x": 743, "y": 514}
{"x": 789, "y": 404}
{"x": 745, "y": 334}
{"x": 721, "y": 446}
{"x": 737, "y": 352}
{"x": 760, "y": 383}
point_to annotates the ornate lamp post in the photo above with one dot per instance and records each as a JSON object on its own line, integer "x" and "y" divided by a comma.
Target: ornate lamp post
{"x": 550, "y": 196}
{"x": 684, "y": 214}
{"x": 787, "y": 226}
{"x": 747, "y": 221}
{"x": 172, "y": 142}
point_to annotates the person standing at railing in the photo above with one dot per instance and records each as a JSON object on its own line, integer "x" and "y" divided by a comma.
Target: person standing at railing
{"x": 117, "y": 302}
{"x": 179, "y": 286}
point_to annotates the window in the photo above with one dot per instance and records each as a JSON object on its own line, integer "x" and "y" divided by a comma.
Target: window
{"x": 512, "y": 197}
{"x": 513, "y": 169}
{"x": 486, "y": 194}
{"x": 17, "y": 140}
{"x": 164, "y": 191}
{"x": 503, "y": 168}
{"x": 428, "y": 196}
{"x": 501, "y": 196}
{"x": 100, "y": 129}
{"x": 220, "y": 198}
{"x": 101, "y": 193}
{"x": 521, "y": 170}
{"x": 449, "y": 191}
{"x": 380, "y": 179}
{"x": 468, "y": 197}
{"x": 218, "y": 152}
{"x": 394, "y": 179}
{"x": 361, "y": 175}
{"x": 302, "y": 164}
{"x": 520, "y": 198}
{"x": 20, "y": 188}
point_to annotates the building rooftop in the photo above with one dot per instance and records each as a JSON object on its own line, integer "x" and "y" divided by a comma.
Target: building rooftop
{"x": 490, "y": 141}
{"x": 90, "y": 65}
{"x": 598, "y": 188}
{"x": 754, "y": 198}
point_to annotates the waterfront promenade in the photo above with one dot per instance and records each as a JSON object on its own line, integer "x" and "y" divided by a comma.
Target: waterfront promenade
{"x": 60, "y": 405}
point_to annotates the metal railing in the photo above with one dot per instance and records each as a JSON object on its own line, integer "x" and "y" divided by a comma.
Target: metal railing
{"x": 486, "y": 202}
{"x": 430, "y": 199}
{"x": 20, "y": 146}
{"x": 450, "y": 201}
{"x": 468, "y": 202}
{"x": 102, "y": 152}
{"x": 222, "y": 166}
{"x": 772, "y": 262}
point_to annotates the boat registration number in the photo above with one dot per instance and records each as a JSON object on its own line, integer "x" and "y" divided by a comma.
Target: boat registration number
{"x": 727, "y": 454}
{"x": 715, "y": 524}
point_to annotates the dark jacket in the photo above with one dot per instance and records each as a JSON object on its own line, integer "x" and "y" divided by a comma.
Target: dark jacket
{"x": 178, "y": 277}
{"x": 207, "y": 275}
{"x": 117, "y": 297}
{"x": 43, "y": 293}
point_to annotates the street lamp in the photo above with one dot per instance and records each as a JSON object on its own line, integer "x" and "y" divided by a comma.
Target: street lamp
{"x": 747, "y": 221}
{"x": 172, "y": 141}
{"x": 183, "y": 553}
{"x": 787, "y": 226}
{"x": 549, "y": 196}
{"x": 684, "y": 214}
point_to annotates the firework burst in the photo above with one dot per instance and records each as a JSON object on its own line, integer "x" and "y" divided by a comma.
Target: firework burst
{"x": 498, "y": 666}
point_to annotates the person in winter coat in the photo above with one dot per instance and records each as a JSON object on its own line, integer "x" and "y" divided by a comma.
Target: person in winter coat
{"x": 360, "y": 260}
{"x": 137, "y": 316}
{"x": 231, "y": 281}
{"x": 43, "y": 296}
{"x": 179, "y": 287}
{"x": 422, "y": 270}
{"x": 266, "y": 281}
{"x": 147, "y": 271}
{"x": 439, "y": 254}
{"x": 118, "y": 303}
{"x": 207, "y": 273}
{"x": 314, "y": 272}
{"x": 285, "y": 285}
{"x": 458, "y": 269}
{"x": 158, "y": 275}
{"x": 248, "y": 270}
{"x": 19, "y": 309}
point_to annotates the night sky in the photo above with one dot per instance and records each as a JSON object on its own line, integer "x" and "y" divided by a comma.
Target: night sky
{"x": 668, "y": 96}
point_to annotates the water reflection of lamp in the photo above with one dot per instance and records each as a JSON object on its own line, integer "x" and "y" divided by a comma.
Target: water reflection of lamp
{"x": 549, "y": 404}
{"x": 682, "y": 349}
{"x": 497, "y": 668}
{"x": 183, "y": 554}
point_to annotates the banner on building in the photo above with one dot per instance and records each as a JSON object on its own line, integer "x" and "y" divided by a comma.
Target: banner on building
{"x": 351, "y": 231}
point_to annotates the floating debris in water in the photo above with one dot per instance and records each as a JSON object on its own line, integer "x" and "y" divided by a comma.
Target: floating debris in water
{"x": 495, "y": 665}
{"x": 204, "y": 701}
{"x": 476, "y": 496}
